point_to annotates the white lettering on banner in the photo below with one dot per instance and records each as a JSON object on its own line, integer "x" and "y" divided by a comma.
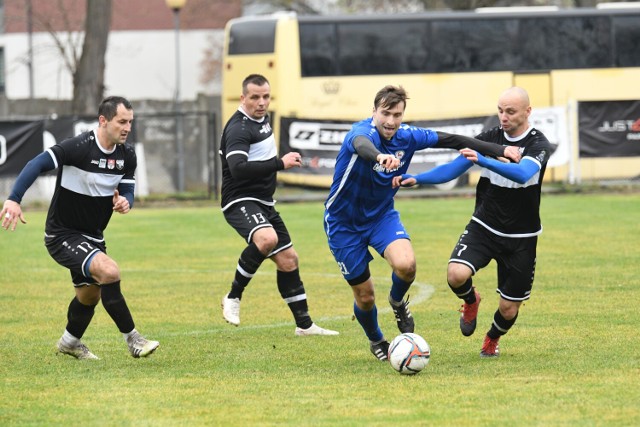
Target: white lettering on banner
{"x": 317, "y": 136}
{"x": 616, "y": 126}
{"x": 3, "y": 150}
{"x": 319, "y": 162}
{"x": 630, "y": 137}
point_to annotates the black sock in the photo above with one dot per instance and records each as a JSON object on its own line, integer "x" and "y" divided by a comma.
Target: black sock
{"x": 248, "y": 263}
{"x": 113, "y": 301}
{"x": 465, "y": 292}
{"x": 500, "y": 325}
{"x": 292, "y": 291}
{"x": 78, "y": 317}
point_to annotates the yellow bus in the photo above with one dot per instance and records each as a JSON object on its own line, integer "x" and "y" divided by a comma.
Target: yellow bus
{"x": 325, "y": 70}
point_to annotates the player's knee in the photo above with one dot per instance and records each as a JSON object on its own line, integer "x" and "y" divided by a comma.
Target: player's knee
{"x": 364, "y": 296}
{"x": 105, "y": 270}
{"x": 509, "y": 309}
{"x": 406, "y": 271}
{"x": 88, "y": 295}
{"x": 366, "y": 302}
{"x": 457, "y": 274}
{"x": 266, "y": 242}
{"x": 286, "y": 260}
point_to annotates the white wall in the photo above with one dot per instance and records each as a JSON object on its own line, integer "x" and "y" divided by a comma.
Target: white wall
{"x": 139, "y": 64}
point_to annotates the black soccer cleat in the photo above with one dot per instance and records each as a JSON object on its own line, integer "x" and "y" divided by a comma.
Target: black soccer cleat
{"x": 404, "y": 319}
{"x": 381, "y": 350}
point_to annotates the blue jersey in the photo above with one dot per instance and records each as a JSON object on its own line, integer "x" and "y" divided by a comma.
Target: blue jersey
{"x": 362, "y": 189}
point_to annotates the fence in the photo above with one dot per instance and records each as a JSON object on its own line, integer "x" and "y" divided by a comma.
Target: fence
{"x": 177, "y": 152}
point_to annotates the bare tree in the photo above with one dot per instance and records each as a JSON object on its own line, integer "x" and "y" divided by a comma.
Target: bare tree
{"x": 211, "y": 63}
{"x": 82, "y": 52}
{"x": 88, "y": 76}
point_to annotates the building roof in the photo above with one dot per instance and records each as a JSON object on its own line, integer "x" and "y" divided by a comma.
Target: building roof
{"x": 127, "y": 15}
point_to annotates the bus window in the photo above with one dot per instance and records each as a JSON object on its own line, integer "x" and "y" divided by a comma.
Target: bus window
{"x": 474, "y": 45}
{"x": 252, "y": 37}
{"x": 626, "y": 43}
{"x": 317, "y": 50}
{"x": 586, "y": 39}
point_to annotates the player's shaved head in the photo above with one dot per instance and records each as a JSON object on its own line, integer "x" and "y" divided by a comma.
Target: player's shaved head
{"x": 516, "y": 95}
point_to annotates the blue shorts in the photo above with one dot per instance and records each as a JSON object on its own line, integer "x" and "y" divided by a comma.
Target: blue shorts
{"x": 351, "y": 248}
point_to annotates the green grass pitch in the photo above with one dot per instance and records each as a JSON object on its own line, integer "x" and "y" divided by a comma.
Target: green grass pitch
{"x": 572, "y": 358}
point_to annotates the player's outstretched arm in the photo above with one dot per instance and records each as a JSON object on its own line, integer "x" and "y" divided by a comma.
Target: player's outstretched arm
{"x": 11, "y": 210}
{"x": 450, "y": 140}
{"x": 437, "y": 175}
{"x": 518, "y": 172}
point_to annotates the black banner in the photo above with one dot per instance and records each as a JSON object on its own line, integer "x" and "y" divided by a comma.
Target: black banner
{"x": 609, "y": 128}
{"x": 20, "y": 141}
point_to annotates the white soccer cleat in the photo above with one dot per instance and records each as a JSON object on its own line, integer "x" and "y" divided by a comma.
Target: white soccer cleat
{"x": 80, "y": 351}
{"x": 231, "y": 310}
{"x": 315, "y": 330}
{"x": 139, "y": 346}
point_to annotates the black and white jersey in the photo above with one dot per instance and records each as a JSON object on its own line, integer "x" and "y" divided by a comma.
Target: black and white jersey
{"x": 503, "y": 206}
{"x": 87, "y": 178}
{"x": 249, "y": 160}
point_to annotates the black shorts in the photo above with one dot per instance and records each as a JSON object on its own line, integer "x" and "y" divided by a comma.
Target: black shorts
{"x": 74, "y": 251}
{"x": 515, "y": 257}
{"x": 248, "y": 216}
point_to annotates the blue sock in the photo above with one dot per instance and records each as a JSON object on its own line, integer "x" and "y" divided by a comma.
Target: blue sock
{"x": 398, "y": 288}
{"x": 369, "y": 322}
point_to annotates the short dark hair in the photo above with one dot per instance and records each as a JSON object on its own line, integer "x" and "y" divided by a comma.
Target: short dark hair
{"x": 390, "y": 96}
{"x": 109, "y": 106}
{"x": 256, "y": 79}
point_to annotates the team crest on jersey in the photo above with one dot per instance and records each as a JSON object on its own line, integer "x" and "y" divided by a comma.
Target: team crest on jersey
{"x": 120, "y": 164}
{"x": 102, "y": 164}
{"x": 399, "y": 154}
{"x": 111, "y": 163}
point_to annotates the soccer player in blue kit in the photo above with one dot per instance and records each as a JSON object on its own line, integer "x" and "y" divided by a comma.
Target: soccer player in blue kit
{"x": 506, "y": 220}
{"x": 359, "y": 211}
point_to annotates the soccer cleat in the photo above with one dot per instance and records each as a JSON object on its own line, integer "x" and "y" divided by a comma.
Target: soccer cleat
{"x": 381, "y": 350}
{"x": 469, "y": 313}
{"x": 231, "y": 310}
{"x": 80, "y": 351}
{"x": 490, "y": 347}
{"x": 404, "y": 319}
{"x": 315, "y": 330}
{"x": 139, "y": 346}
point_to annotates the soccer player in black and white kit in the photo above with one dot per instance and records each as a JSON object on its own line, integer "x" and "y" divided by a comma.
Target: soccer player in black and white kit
{"x": 249, "y": 166}
{"x": 506, "y": 221}
{"x": 96, "y": 177}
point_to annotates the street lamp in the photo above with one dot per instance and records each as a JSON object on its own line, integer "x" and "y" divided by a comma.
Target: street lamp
{"x": 176, "y": 6}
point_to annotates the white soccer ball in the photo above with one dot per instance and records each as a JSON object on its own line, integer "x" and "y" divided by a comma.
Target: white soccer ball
{"x": 409, "y": 353}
